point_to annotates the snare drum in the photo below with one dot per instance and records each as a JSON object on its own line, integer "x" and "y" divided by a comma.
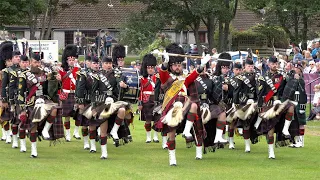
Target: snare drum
{"x": 131, "y": 78}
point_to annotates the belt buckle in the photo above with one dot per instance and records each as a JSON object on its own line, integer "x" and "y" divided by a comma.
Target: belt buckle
{"x": 72, "y": 91}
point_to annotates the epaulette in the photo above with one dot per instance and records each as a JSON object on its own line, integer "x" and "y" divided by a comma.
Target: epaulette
{"x": 239, "y": 77}
{"x": 5, "y": 70}
{"x": 83, "y": 73}
{"x": 14, "y": 73}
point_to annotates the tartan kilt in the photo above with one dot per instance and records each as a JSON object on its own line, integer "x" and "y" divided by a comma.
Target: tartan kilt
{"x": 57, "y": 130}
{"x": 215, "y": 111}
{"x": 68, "y": 105}
{"x": 267, "y": 125}
{"x": 83, "y": 120}
{"x": 6, "y": 114}
{"x": 147, "y": 111}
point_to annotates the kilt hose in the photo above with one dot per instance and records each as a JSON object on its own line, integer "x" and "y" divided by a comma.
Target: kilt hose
{"x": 68, "y": 105}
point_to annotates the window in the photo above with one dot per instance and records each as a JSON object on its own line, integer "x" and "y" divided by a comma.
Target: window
{"x": 69, "y": 39}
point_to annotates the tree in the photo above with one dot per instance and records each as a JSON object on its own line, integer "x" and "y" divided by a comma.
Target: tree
{"x": 10, "y": 13}
{"x": 292, "y": 15}
{"x": 140, "y": 30}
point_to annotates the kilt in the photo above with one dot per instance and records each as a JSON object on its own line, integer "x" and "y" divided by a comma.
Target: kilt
{"x": 6, "y": 114}
{"x": 179, "y": 128}
{"x": 68, "y": 105}
{"x": 57, "y": 129}
{"x": 215, "y": 111}
{"x": 147, "y": 111}
{"x": 301, "y": 117}
{"x": 267, "y": 124}
{"x": 83, "y": 120}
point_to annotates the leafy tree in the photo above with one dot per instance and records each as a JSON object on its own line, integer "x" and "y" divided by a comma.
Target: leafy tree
{"x": 292, "y": 15}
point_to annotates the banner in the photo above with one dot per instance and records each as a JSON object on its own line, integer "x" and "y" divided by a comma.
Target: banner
{"x": 309, "y": 87}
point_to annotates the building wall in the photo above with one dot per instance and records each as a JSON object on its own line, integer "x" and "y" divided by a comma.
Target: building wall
{"x": 27, "y": 34}
{"x": 60, "y": 36}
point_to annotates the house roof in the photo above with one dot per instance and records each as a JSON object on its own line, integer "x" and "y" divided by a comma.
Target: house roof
{"x": 95, "y": 16}
{"x": 102, "y": 16}
{"x": 245, "y": 19}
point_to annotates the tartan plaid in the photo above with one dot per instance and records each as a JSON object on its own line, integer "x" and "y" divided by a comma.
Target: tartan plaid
{"x": 215, "y": 111}
{"x": 57, "y": 130}
{"x": 147, "y": 111}
{"x": 67, "y": 105}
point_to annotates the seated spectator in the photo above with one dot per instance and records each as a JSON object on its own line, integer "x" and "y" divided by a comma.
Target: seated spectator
{"x": 307, "y": 56}
{"x": 311, "y": 68}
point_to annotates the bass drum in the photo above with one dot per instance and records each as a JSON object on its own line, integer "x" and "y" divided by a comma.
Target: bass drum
{"x": 131, "y": 77}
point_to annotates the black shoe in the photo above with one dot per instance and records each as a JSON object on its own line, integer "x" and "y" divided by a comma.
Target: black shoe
{"x": 116, "y": 142}
{"x": 33, "y": 156}
{"x": 155, "y": 141}
{"x": 93, "y": 151}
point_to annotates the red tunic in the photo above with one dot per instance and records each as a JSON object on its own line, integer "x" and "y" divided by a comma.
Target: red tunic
{"x": 147, "y": 88}
{"x": 164, "y": 76}
{"x": 69, "y": 83}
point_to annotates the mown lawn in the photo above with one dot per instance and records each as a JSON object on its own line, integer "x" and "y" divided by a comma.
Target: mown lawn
{"x": 139, "y": 160}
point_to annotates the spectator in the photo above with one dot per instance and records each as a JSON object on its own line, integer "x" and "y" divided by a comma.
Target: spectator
{"x": 214, "y": 51}
{"x": 311, "y": 68}
{"x": 13, "y": 36}
{"x": 286, "y": 58}
{"x": 309, "y": 49}
{"x": 315, "y": 50}
{"x": 318, "y": 67}
{"x": 133, "y": 64}
{"x": 307, "y": 56}
{"x": 297, "y": 55}
{"x": 289, "y": 67}
{"x": 108, "y": 42}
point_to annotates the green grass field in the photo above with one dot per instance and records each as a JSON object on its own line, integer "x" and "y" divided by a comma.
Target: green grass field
{"x": 139, "y": 160}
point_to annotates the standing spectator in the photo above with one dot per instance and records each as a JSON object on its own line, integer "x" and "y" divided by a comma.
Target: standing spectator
{"x": 13, "y": 36}
{"x": 97, "y": 42}
{"x": 297, "y": 58}
{"x": 108, "y": 43}
{"x": 315, "y": 50}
